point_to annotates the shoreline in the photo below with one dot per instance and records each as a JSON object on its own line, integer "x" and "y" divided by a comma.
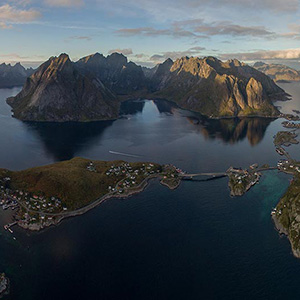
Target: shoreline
{"x": 283, "y": 232}
{"x": 78, "y": 212}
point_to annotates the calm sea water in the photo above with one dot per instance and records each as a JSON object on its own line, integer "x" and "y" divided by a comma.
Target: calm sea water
{"x": 192, "y": 243}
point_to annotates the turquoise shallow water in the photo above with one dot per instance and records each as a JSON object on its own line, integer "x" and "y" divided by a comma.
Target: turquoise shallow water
{"x": 194, "y": 242}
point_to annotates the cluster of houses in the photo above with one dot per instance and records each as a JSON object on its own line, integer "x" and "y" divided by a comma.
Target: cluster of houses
{"x": 33, "y": 208}
{"x": 132, "y": 175}
{"x": 287, "y": 166}
{"x": 8, "y": 198}
{"x": 288, "y": 124}
{"x": 241, "y": 175}
{"x": 91, "y": 167}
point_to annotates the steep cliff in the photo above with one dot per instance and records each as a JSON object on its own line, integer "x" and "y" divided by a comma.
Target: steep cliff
{"x": 217, "y": 88}
{"x": 58, "y": 92}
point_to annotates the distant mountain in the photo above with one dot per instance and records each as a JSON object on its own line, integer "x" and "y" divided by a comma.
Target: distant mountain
{"x": 115, "y": 72}
{"x": 278, "y": 72}
{"x": 215, "y": 88}
{"x": 92, "y": 88}
{"x": 58, "y": 92}
{"x": 11, "y": 76}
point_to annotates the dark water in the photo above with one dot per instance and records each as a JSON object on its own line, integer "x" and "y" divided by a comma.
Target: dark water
{"x": 192, "y": 243}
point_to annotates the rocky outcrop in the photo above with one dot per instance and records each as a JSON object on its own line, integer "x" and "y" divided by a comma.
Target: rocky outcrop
{"x": 11, "y": 76}
{"x": 215, "y": 88}
{"x": 58, "y": 92}
{"x": 278, "y": 72}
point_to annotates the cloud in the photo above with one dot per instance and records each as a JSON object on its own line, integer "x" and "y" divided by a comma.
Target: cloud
{"x": 198, "y": 28}
{"x": 12, "y": 56}
{"x": 64, "y": 3}
{"x": 150, "y": 31}
{"x": 287, "y": 54}
{"x": 127, "y": 51}
{"x": 180, "y": 9}
{"x": 10, "y": 13}
{"x": 80, "y": 38}
{"x": 3, "y": 25}
{"x": 140, "y": 55}
{"x": 294, "y": 32}
{"x": 194, "y": 51}
{"x": 20, "y": 2}
{"x": 223, "y": 28}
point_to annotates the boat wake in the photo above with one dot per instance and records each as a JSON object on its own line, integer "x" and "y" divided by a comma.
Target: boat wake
{"x": 124, "y": 154}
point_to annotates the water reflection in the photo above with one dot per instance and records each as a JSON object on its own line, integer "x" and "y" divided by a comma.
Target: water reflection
{"x": 232, "y": 130}
{"x": 132, "y": 107}
{"x": 64, "y": 140}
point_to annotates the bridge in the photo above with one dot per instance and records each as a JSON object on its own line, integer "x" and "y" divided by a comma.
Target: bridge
{"x": 215, "y": 175}
{"x": 202, "y": 174}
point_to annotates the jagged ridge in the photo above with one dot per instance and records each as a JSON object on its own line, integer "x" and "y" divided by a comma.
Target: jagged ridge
{"x": 11, "y": 76}
{"x": 91, "y": 89}
{"x": 278, "y": 72}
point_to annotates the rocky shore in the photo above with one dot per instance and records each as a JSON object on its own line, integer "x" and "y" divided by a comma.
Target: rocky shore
{"x": 282, "y": 230}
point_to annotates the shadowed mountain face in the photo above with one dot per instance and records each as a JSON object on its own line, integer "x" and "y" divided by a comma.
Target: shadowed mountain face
{"x": 115, "y": 72}
{"x": 57, "y": 92}
{"x": 11, "y": 76}
{"x": 92, "y": 88}
{"x": 278, "y": 72}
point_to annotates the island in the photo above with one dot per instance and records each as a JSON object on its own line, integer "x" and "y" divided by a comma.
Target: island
{"x": 285, "y": 138}
{"x": 43, "y": 196}
{"x": 4, "y": 285}
{"x": 240, "y": 181}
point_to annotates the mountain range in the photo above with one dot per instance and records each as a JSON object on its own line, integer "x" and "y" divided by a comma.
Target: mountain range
{"x": 11, "y": 76}
{"x": 92, "y": 88}
{"x": 278, "y": 72}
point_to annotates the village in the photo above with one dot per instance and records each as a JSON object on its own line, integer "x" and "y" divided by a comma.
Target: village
{"x": 241, "y": 180}
{"x": 35, "y": 211}
{"x": 288, "y": 124}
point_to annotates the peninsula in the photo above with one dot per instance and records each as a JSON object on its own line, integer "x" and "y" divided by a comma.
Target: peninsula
{"x": 43, "y": 196}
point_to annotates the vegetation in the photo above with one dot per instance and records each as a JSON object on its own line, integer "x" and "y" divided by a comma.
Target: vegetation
{"x": 287, "y": 214}
{"x": 285, "y": 138}
{"x": 71, "y": 181}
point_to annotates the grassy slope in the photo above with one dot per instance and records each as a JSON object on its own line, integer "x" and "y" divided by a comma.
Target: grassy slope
{"x": 68, "y": 180}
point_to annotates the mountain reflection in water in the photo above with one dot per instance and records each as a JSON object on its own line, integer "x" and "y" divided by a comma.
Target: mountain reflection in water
{"x": 64, "y": 140}
{"x": 233, "y": 130}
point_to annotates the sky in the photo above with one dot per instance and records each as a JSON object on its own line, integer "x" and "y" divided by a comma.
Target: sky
{"x": 148, "y": 32}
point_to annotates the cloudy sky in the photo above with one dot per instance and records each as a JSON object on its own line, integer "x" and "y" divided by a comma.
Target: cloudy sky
{"x": 149, "y": 31}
